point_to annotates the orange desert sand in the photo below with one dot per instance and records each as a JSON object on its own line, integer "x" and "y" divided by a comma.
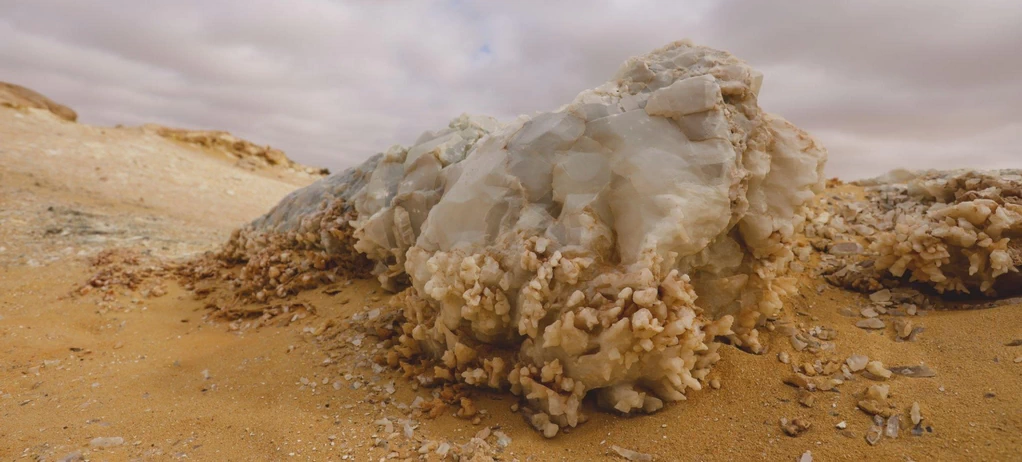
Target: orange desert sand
{"x": 106, "y": 355}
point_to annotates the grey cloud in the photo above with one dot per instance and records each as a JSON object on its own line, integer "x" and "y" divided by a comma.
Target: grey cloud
{"x": 888, "y": 84}
{"x": 882, "y": 84}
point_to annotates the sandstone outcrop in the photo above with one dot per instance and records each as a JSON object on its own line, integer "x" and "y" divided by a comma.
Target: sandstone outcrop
{"x": 245, "y": 153}
{"x": 17, "y": 96}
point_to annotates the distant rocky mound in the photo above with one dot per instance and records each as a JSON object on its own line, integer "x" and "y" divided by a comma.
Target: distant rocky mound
{"x": 17, "y": 96}
{"x": 247, "y": 154}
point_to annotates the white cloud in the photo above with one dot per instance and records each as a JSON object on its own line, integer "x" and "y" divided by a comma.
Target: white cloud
{"x": 882, "y": 84}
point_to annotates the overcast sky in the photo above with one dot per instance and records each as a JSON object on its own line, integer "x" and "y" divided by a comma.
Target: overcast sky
{"x": 883, "y": 84}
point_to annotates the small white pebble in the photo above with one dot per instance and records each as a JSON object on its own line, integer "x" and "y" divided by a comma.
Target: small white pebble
{"x": 857, "y": 362}
{"x": 915, "y": 414}
{"x": 877, "y": 368}
{"x": 106, "y": 442}
{"x": 881, "y": 296}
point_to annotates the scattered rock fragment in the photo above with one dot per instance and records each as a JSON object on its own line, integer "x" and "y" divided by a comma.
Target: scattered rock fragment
{"x": 468, "y": 408}
{"x": 881, "y": 296}
{"x": 874, "y": 401}
{"x": 823, "y": 333}
{"x": 906, "y": 331}
{"x": 631, "y": 455}
{"x": 893, "y": 424}
{"x": 877, "y": 369}
{"x": 857, "y": 362}
{"x": 806, "y": 399}
{"x": 828, "y": 384}
{"x": 799, "y": 381}
{"x": 920, "y": 371}
{"x": 1014, "y": 343}
{"x": 106, "y": 441}
{"x": 874, "y": 407}
{"x": 871, "y": 323}
{"x": 72, "y": 457}
{"x": 868, "y": 313}
{"x": 903, "y": 328}
{"x": 795, "y": 427}
{"x": 806, "y": 457}
{"x": 503, "y": 440}
{"x": 841, "y": 425}
{"x": 874, "y": 434}
{"x": 878, "y": 392}
{"x": 848, "y": 312}
{"x": 388, "y": 426}
{"x": 541, "y": 422}
{"x": 443, "y": 449}
{"x": 808, "y": 369}
{"x": 785, "y": 328}
{"x": 784, "y": 357}
{"x": 915, "y": 414}
{"x": 845, "y": 248}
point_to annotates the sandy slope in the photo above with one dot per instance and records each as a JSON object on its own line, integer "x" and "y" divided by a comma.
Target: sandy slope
{"x": 174, "y": 384}
{"x": 86, "y": 188}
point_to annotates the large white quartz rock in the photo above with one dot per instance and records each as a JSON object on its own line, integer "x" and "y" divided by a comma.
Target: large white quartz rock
{"x": 601, "y": 246}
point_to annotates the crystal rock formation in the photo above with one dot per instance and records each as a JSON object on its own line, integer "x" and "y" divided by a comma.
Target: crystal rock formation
{"x": 955, "y": 231}
{"x": 602, "y": 246}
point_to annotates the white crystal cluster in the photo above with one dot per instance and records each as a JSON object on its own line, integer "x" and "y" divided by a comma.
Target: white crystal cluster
{"x": 954, "y": 231}
{"x": 957, "y": 231}
{"x": 599, "y": 247}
